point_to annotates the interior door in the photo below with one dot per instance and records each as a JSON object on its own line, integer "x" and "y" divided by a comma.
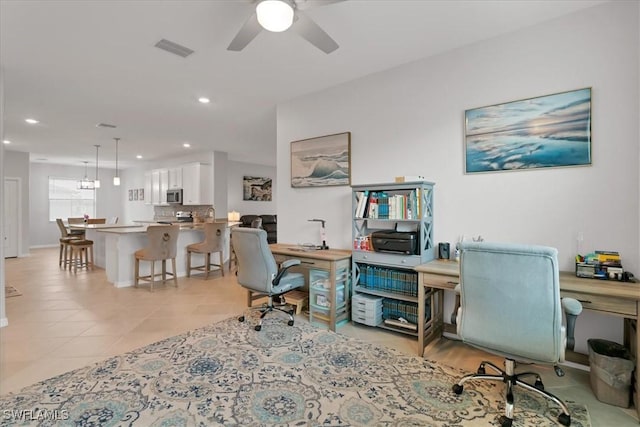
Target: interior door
{"x": 11, "y": 218}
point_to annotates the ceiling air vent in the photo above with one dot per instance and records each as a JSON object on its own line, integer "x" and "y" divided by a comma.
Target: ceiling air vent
{"x": 105, "y": 125}
{"x": 174, "y": 48}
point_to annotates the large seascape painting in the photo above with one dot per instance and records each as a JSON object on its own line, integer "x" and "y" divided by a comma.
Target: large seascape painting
{"x": 322, "y": 161}
{"x": 542, "y": 132}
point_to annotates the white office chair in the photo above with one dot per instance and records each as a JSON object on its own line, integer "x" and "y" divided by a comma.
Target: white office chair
{"x": 510, "y": 306}
{"x": 258, "y": 271}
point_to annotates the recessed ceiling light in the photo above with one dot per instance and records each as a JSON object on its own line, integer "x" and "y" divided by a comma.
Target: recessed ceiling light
{"x": 32, "y": 121}
{"x": 204, "y": 100}
{"x": 138, "y": 156}
{"x": 6, "y": 141}
{"x": 186, "y": 145}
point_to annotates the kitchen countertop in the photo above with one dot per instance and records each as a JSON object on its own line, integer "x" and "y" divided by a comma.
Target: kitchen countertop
{"x": 100, "y": 226}
{"x": 131, "y": 229}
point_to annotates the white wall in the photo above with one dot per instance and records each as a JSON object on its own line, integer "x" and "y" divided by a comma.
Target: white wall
{"x": 409, "y": 121}
{"x": 16, "y": 165}
{"x": 236, "y": 172}
{"x": 44, "y": 232}
{"x": 3, "y": 316}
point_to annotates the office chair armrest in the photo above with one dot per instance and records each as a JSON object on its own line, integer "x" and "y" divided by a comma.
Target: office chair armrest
{"x": 289, "y": 263}
{"x": 572, "y": 308}
{"x": 283, "y": 270}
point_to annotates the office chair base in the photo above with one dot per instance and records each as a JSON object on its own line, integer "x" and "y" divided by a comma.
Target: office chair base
{"x": 270, "y": 307}
{"x": 511, "y": 379}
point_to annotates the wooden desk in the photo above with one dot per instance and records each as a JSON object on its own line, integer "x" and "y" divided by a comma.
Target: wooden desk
{"x": 603, "y": 296}
{"x": 332, "y": 261}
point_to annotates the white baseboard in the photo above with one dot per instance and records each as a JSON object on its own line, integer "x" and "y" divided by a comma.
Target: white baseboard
{"x": 44, "y": 246}
{"x": 4, "y": 322}
{"x": 576, "y": 366}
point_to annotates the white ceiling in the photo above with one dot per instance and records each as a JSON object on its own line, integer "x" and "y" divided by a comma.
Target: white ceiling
{"x": 73, "y": 64}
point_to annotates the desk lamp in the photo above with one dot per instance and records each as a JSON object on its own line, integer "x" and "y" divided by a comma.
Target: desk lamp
{"x": 323, "y": 235}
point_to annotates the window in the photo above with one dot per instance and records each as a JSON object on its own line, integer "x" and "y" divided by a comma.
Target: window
{"x": 66, "y": 200}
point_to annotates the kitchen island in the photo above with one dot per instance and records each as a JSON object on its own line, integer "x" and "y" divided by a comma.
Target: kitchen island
{"x": 91, "y": 233}
{"x": 121, "y": 243}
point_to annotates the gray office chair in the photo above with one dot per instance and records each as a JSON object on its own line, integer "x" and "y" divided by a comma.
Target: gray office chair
{"x": 258, "y": 271}
{"x": 510, "y": 306}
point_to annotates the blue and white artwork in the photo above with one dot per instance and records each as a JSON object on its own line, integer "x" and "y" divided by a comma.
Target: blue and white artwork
{"x": 543, "y": 132}
{"x": 321, "y": 162}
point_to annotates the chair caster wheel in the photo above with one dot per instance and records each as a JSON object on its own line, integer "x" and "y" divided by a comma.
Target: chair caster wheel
{"x": 457, "y": 388}
{"x": 290, "y": 323}
{"x": 538, "y": 384}
{"x": 564, "y": 419}
{"x": 241, "y": 319}
{"x": 258, "y": 327}
{"x": 505, "y": 422}
{"x": 481, "y": 370}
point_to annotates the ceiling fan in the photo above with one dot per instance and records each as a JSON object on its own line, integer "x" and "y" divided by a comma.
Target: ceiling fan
{"x": 280, "y": 15}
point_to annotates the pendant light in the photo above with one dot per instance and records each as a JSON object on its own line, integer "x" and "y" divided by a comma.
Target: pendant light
{"x": 116, "y": 179}
{"x": 96, "y": 182}
{"x": 85, "y": 183}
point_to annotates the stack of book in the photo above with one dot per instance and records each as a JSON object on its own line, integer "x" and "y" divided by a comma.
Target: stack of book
{"x": 383, "y": 205}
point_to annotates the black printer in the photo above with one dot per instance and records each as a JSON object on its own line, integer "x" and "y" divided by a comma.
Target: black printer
{"x": 404, "y": 242}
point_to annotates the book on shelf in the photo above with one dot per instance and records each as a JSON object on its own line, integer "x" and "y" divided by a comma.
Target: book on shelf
{"x": 397, "y": 204}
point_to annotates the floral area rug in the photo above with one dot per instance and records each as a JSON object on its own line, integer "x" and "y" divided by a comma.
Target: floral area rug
{"x": 229, "y": 374}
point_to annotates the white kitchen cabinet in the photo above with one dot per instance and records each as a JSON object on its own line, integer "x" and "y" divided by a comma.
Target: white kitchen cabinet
{"x": 155, "y": 187}
{"x": 164, "y": 185}
{"x": 147, "y": 188}
{"x": 175, "y": 178}
{"x": 197, "y": 184}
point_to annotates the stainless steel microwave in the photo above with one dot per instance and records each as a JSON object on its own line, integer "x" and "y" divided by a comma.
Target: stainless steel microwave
{"x": 174, "y": 196}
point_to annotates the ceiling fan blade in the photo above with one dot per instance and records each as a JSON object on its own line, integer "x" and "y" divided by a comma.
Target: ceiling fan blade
{"x": 248, "y": 32}
{"x": 312, "y": 32}
{"x": 307, "y": 4}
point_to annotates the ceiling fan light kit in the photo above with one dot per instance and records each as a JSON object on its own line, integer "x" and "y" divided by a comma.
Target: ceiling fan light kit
{"x": 275, "y": 15}
{"x": 279, "y": 16}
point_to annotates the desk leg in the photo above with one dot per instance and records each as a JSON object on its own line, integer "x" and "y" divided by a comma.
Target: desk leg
{"x": 421, "y": 313}
{"x": 632, "y": 341}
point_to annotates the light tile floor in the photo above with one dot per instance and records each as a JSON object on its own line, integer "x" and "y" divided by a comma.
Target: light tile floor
{"x": 64, "y": 321}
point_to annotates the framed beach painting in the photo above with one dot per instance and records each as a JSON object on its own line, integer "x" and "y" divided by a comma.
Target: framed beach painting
{"x": 322, "y": 161}
{"x": 544, "y": 132}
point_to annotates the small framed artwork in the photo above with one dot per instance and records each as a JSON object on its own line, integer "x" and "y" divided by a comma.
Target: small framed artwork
{"x": 135, "y": 194}
{"x": 256, "y": 188}
{"x": 141, "y": 194}
{"x": 130, "y": 195}
{"x": 322, "y": 161}
{"x": 544, "y": 132}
